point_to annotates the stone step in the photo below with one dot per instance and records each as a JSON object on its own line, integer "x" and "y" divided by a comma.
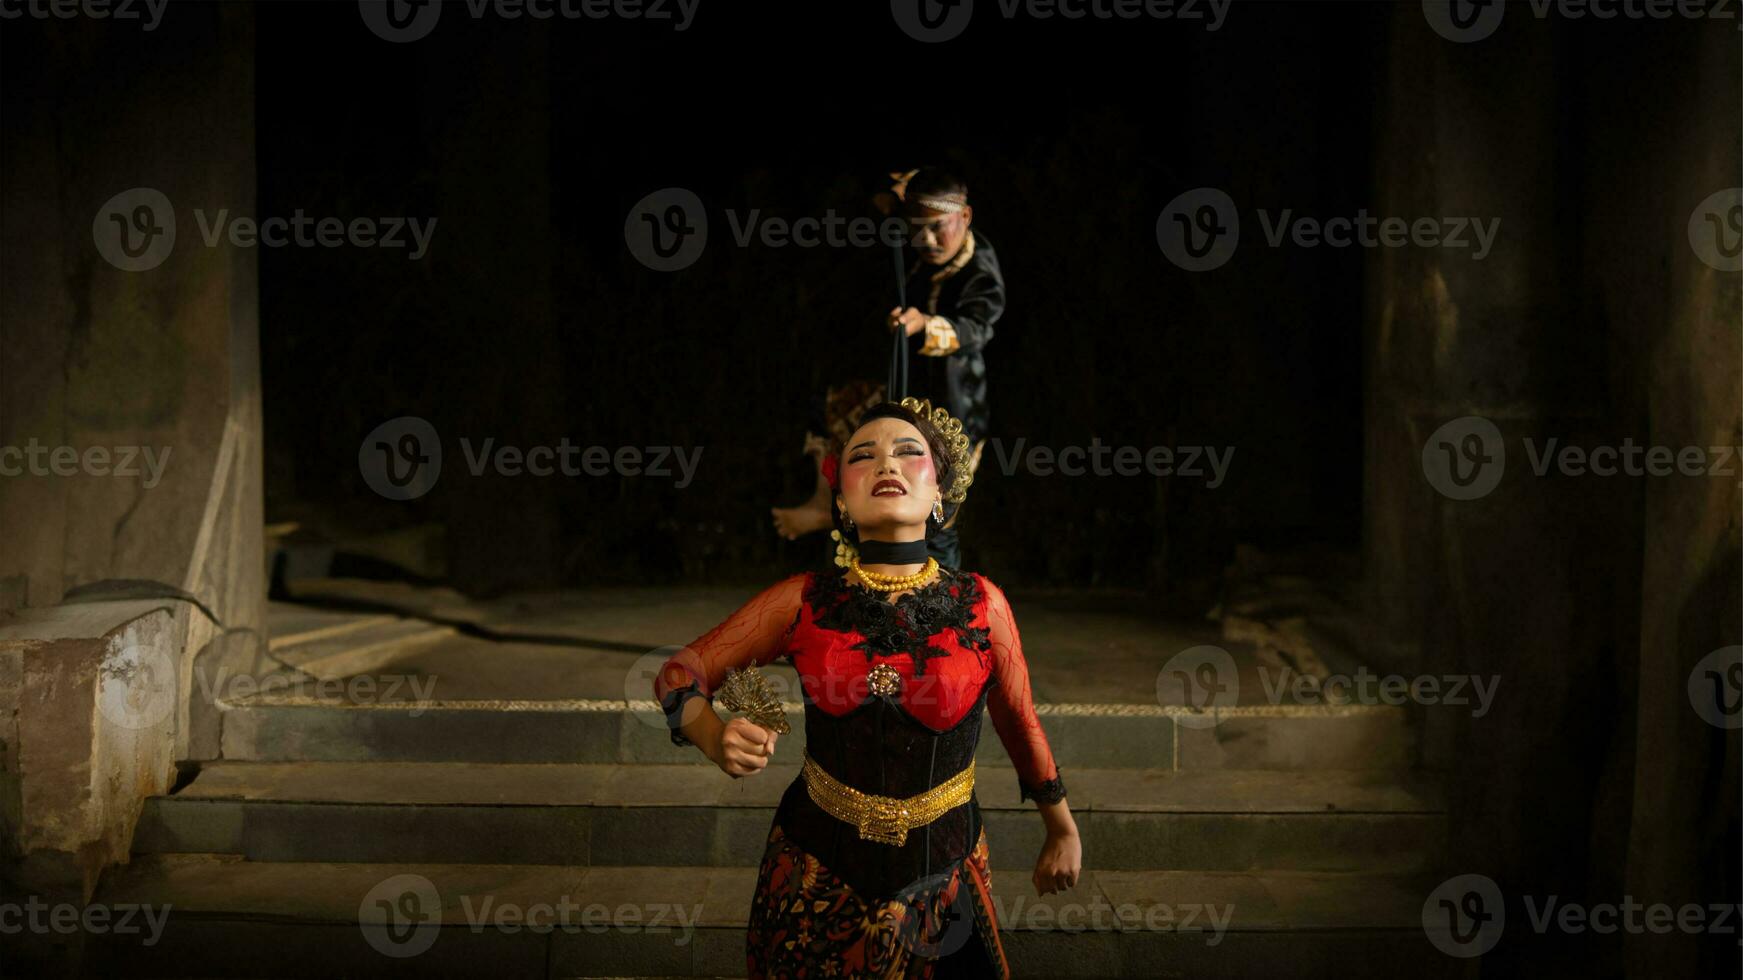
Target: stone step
{"x": 333, "y": 647}
{"x": 613, "y": 815}
{"x": 289, "y": 727}
{"x": 290, "y": 625}
{"x": 227, "y": 917}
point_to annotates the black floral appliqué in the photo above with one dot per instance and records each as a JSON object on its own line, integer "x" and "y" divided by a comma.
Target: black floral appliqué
{"x": 906, "y": 625}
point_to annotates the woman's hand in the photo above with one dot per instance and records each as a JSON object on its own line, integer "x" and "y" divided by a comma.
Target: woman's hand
{"x": 744, "y": 747}
{"x": 1060, "y": 863}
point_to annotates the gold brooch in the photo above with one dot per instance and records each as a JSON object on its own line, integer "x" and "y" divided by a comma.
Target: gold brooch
{"x": 884, "y": 680}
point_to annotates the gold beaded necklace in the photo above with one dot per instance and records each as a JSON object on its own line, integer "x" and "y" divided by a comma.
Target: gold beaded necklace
{"x": 894, "y": 583}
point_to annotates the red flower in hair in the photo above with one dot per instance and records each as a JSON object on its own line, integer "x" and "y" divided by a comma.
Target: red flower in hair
{"x": 831, "y": 471}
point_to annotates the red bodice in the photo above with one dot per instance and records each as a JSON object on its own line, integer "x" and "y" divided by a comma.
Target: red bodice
{"x": 946, "y": 644}
{"x": 935, "y": 640}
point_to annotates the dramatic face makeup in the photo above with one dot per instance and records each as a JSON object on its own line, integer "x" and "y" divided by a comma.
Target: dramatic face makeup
{"x": 888, "y": 475}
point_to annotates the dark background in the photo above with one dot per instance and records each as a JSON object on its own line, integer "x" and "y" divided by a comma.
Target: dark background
{"x": 530, "y": 320}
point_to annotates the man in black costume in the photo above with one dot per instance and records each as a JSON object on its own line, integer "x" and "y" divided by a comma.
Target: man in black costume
{"x": 955, "y": 294}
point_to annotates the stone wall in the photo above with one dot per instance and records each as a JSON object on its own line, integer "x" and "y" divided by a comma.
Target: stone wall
{"x": 1592, "y": 322}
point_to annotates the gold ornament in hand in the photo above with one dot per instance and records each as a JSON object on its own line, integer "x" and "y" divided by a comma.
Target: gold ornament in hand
{"x": 748, "y": 690}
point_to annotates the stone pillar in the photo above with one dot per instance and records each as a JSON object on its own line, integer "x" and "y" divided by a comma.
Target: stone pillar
{"x": 1502, "y": 585}
{"x": 1672, "y": 139}
{"x": 129, "y": 390}
{"x": 1591, "y": 322}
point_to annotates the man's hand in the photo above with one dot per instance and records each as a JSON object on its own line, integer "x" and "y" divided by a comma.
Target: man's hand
{"x": 745, "y": 747}
{"x": 910, "y": 320}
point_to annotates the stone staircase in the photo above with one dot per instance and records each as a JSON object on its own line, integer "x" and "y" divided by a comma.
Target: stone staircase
{"x": 409, "y": 798}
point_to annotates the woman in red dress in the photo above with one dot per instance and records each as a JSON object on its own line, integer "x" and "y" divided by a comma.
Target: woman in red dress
{"x": 876, "y": 862}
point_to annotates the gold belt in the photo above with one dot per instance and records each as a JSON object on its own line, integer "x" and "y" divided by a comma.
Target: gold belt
{"x": 885, "y": 819}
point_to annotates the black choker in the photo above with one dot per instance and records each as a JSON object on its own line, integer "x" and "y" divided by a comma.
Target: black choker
{"x": 893, "y": 552}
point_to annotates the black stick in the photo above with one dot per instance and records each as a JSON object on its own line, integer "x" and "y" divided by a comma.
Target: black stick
{"x": 897, "y": 388}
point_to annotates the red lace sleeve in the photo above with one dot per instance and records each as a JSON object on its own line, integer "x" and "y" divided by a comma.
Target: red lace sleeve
{"x": 1013, "y": 707}
{"x": 753, "y": 634}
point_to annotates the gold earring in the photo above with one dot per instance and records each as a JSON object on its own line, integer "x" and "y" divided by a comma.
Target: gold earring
{"x": 938, "y": 509}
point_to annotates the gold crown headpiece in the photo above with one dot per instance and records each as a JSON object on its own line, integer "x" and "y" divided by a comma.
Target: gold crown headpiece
{"x": 955, "y": 446}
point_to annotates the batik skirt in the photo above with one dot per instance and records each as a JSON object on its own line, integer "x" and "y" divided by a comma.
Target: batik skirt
{"x": 806, "y": 922}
